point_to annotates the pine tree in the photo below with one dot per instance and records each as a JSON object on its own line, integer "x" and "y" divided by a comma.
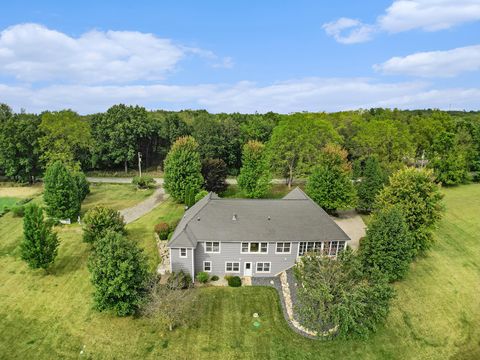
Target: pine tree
{"x": 40, "y": 244}
{"x": 183, "y": 168}
{"x": 372, "y": 181}
{"x": 61, "y": 192}
{"x": 254, "y": 178}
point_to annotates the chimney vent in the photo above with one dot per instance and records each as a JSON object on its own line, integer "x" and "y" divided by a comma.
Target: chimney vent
{"x": 234, "y": 217}
{"x": 269, "y": 218}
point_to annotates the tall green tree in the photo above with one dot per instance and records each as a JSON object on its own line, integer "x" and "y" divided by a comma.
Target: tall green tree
{"x": 415, "y": 192}
{"x": 19, "y": 148}
{"x": 295, "y": 145}
{"x": 61, "y": 192}
{"x": 387, "y": 245}
{"x": 335, "y": 298}
{"x": 254, "y": 178}
{"x": 119, "y": 274}
{"x": 214, "y": 172}
{"x": 182, "y": 168}
{"x": 330, "y": 184}
{"x": 39, "y": 246}
{"x": 119, "y": 133}
{"x": 66, "y": 137}
{"x": 449, "y": 159}
{"x": 373, "y": 179}
{"x": 99, "y": 220}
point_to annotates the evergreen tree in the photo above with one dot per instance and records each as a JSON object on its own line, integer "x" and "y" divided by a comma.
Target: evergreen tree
{"x": 372, "y": 181}
{"x": 388, "y": 244}
{"x": 419, "y": 199}
{"x": 39, "y": 246}
{"x": 61, "y": 192}
{"x": 330, "y": 184}
{"x": 254, "y": 178}
{"x": 183, "y": 168}
{"x": 119, "y": 274}
{"x": 83, "y": 185}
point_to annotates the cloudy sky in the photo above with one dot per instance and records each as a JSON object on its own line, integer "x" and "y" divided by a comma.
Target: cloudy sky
{"x": 246, "y": 56}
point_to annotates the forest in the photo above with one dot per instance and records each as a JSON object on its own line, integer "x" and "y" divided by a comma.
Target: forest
{"x": 446, "y": 141}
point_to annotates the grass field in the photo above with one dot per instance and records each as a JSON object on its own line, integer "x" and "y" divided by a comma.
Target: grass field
{"x": 116, "y": 196}
{"x": 7, "y": 202}
{"x": 435, "y": 315}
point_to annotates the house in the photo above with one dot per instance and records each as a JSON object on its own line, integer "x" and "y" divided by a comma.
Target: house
{"x": 252, "y": 237}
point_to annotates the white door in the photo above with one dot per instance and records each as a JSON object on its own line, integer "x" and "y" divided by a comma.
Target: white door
{"x": 247, "y": 269}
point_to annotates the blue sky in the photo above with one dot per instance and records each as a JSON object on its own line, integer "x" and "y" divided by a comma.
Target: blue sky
{"x": 242, "y": 56}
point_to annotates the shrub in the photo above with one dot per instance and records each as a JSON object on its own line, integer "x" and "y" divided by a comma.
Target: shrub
{"x": 162, "y": 229}
{"x": 18, "y": 210}
{"x": 234, "y": 281}
{"x": 202, "y": 277}
{"x": 143, "y": 182}
{"x": 179, "y": 280}
{"x": 119, "y": 273}
{"x": 174, "y": 224}
{"x": 190, "y": 196}
{"x": 99, "y": 220}
{"x": 214, "y": 278}
{"x": 200, "y": 195}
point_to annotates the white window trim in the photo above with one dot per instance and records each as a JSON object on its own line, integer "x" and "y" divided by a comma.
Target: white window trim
{"x": 232, "y": 271}
{"x": 263, "y": 262}
{"x": 259, "y": 246}
{"x": 186, "y": 253}
{"x": 213, "y": 252}
{"x": 207, "y": 261}
{"x": 282, "y": 252}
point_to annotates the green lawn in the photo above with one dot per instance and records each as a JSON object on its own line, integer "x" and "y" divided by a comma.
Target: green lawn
{"x": 116, "y": 196}
{"x": 435, "y": 316}
{"x": 7, "y": 202}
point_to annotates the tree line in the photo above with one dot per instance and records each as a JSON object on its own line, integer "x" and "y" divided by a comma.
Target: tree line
{"x": 447, "y": 142}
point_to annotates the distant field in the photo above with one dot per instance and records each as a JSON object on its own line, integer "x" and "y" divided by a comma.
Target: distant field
{"x": 435, "y": 316}
{"x": 20, "y": 191}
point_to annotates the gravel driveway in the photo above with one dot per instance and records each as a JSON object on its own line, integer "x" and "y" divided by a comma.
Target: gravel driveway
{"x": 353, "y": 225}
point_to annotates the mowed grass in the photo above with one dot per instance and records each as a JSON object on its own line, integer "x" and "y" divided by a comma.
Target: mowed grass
{"x": 7, "y": 202}
{"x": 48, "y": 316}
{"x": 116, "y": 196}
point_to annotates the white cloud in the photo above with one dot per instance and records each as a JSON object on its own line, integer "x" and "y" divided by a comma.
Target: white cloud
{"x": 312, "y": 94}
{"x": 405, "y": 15}
{"x": 428, "y": 15}
{"x": 34, "y": 53}
{"x": 434, "y": 63}
{"x": 349, "y": 31}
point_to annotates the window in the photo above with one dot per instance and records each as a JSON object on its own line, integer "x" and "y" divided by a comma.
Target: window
{"x": 263, "y": 267}
{"x": 232, "y": 266}
{"x": 207, "y": 266}
{"x": 254, "y": 247}
{"x": 309, "y": 246}
{"x": 183, "y": 252}
{"x": 212, "y": 247}
{"x": 283, "y": 248}
{"x": 330, "y": 248}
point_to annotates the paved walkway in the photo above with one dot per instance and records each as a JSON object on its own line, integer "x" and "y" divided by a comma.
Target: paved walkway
{"x": 133, "y": 213}
{"x": 353, "y": 225}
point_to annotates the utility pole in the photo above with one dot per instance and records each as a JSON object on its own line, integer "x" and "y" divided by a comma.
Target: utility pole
{"x": 140, "y": 163}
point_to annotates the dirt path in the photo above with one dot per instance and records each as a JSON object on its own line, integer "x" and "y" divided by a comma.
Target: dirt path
{"x": 133, "y": 213}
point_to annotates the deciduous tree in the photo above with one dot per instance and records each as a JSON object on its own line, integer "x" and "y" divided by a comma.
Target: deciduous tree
{"x": 99, "y": 220}
{"x": 371, "y": 182}
{"x": 214, "y": 172}
{"x": 254, "y": 178}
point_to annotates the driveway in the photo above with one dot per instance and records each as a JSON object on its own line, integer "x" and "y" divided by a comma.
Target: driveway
{"x": 128, "y": 180}
{"x": 353, "y": 225}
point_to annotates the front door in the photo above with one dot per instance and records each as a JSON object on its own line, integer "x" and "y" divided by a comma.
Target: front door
{"x": 247, "y": 271}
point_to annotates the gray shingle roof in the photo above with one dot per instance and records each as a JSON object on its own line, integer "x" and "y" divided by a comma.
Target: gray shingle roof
{"x": 294, "y": 218}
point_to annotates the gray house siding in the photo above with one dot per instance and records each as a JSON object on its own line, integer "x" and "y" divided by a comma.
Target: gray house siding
{"x": 231, "y": 251}
{"x": 181, "y": 263}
